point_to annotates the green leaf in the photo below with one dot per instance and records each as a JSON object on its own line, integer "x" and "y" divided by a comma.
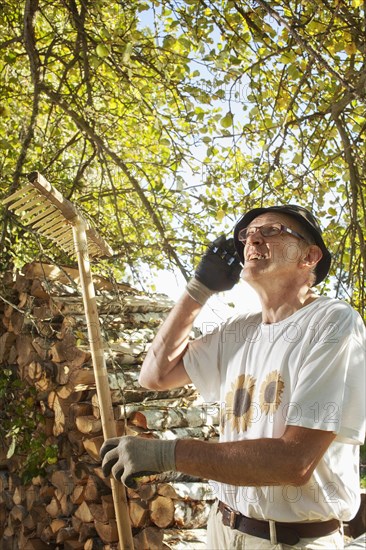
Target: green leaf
{"x": 220, "y": 214}
{"x": 169, "y": 41}
{"x": 11, "y": 449}
{"x": 102, "y": 50}
{"x": 227, "y": 120}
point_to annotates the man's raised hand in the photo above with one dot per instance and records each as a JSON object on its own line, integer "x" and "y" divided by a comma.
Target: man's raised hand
{"x": 218, "y": 270}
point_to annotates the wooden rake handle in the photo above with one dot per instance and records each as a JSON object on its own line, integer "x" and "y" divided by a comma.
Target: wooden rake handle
{"x": 101, "y": 377}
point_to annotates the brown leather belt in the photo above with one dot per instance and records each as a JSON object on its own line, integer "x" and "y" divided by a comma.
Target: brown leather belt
{"x": 287, "y": 533}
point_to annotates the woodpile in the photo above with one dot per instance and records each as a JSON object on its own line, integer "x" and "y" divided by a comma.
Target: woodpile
{"x": 43, "y": 339}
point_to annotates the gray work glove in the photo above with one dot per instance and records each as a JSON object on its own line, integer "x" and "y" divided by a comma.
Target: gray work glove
{"x": 218, "y": 270}
{"x": 129, "y": 458}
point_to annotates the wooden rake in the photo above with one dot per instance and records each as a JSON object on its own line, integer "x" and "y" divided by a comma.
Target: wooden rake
{"x": 43, "y": 208}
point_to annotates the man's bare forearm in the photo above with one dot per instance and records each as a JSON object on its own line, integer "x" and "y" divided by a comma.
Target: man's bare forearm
{"x": 290, "y": 459}
{"x": 163, "y": 367}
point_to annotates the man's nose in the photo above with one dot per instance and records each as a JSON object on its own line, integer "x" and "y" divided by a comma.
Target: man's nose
{"x": 254, "y": 237}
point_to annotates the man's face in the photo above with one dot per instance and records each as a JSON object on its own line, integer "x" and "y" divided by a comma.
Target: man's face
{"x": 273, "y": 256}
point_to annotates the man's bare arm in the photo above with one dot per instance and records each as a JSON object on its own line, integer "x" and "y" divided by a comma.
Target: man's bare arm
{"x": 290, "y": 459}
{"x": 163, "y": 366}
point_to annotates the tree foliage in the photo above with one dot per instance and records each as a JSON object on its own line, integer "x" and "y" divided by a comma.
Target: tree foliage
{"x": 22, "y": 427}
{"x": 165, "y": 119}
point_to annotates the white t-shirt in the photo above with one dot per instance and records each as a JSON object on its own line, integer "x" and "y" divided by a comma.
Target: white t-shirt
{"x": 307, "y": 370}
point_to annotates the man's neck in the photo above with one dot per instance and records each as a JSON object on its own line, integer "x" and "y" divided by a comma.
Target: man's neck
{"x": 277, "y": 306}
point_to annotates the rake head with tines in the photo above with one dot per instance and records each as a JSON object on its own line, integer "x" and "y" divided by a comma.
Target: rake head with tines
{"x": 47, "y": 212}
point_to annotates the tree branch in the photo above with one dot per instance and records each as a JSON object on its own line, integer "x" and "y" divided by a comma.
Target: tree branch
{"x": 7, "y": 43}
{"x": 30, "y": 10}
{"x": 355, "y": 181}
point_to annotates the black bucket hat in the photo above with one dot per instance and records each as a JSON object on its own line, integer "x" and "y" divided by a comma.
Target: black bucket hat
{"x": 303, "y": 216}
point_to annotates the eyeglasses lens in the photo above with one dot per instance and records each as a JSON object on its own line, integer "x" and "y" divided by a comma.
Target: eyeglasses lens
{"x": 267, "y": 230}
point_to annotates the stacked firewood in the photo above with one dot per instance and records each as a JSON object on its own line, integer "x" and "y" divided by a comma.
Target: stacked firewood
{"x": 43, "y": 339}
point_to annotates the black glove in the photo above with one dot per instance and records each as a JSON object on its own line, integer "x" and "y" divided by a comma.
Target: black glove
{"x": 218, "y": 270}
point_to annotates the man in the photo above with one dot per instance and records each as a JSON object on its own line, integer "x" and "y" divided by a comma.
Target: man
{"x": 290, "y": 381}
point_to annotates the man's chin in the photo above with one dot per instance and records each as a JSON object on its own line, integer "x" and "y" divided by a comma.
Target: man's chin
{"x": 251, "y": 274}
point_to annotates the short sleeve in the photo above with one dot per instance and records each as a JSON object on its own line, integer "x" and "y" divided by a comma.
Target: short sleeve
{"x": 330, "y": 390}
{"x": 202, "y": 363}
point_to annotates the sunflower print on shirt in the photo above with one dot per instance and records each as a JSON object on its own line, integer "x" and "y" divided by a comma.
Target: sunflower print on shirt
{"x": 238, "y": 408}
{"x": 271, "y": 392}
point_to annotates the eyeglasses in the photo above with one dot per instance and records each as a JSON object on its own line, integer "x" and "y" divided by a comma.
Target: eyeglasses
{"x": 267, "y": 230}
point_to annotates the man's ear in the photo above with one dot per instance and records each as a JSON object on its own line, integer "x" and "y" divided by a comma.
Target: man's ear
{"x": 312, "y": 256}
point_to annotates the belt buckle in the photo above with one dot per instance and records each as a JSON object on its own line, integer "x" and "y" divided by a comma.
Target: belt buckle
{"x": 232, "y": 519}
